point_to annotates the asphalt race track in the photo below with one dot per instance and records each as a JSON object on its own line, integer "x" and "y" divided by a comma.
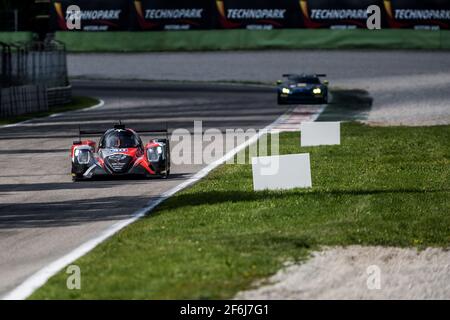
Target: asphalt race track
{"x": 409, "y": 87}
{"x": 44, "y": 215}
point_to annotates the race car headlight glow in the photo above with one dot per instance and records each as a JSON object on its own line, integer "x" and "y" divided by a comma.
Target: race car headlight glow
{"x": 83, "y": 156}
{"x": 317, "y": 91}
{"x": 153, "y": 154}
{"x": 285, "y": 90}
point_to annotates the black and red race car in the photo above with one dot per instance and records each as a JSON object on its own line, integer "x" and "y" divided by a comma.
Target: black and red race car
{"x": 120, "y": 152}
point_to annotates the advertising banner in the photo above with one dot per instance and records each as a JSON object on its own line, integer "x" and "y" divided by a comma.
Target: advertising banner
{"x": 118, "y": 15}
{"x": 343, "y": 14}
{"x": 259, "y": 15}
{"x": 428, "y": 15}
{"x": 173, "y": 14}
{"x": 99, "y": 15}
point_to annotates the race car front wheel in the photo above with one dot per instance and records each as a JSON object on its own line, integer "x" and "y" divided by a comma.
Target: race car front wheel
{"x": 165, "y": 175}
{"x": 280, "y": 100}
{"x": 77, "y": 177}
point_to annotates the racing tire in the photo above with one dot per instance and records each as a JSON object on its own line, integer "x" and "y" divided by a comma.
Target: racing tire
{"x": 77, "y": 177}
{"x": 165, "y": 175}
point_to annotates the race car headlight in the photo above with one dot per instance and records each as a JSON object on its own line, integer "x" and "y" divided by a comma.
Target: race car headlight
{"x": 317, "y": 91}
{"x": 285, "y": 90}
{"x": 83, "y": 156}
{"x": 153, "y": 154}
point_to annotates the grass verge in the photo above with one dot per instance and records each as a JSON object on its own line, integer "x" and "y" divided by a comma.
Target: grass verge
{"x": 15, "y": 36}
{"x": 241, "y": 39}
{"x": 77, "y": 103}
{"x": 382, "y": 186}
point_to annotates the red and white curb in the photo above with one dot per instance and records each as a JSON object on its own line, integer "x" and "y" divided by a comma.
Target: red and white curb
{"x": 292, "y": 121}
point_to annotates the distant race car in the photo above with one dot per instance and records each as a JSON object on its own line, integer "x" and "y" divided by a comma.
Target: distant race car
{"x": 120, "y": 152}
{"x": 302, "y": 89}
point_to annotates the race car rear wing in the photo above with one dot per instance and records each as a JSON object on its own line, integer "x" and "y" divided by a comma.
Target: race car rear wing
{"x": 303, "y": 74}
{"x": 119, "y": 126}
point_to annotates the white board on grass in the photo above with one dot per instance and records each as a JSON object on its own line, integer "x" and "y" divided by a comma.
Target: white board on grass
{"x": 281, "y": 172}
{"x": 320, "y": 133}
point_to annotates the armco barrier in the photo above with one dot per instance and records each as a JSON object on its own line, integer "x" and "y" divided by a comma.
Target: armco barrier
{"x": 33, "y": 77}
{"x": 19, "y": 100}
{"x": 59, "y": 95}
{"x": 42, "y": 63}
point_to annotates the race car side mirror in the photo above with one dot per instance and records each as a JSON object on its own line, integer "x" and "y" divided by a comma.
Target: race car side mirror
{"x": 325, "y": 82}
{"x": 278, "y": 82}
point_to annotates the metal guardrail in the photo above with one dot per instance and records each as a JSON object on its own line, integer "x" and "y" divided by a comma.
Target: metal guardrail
{"x": 33, "y": 77}
{"x": 42, "y": 63}
{"x": 19, "y": 100}
{"x": 59, "y": 95}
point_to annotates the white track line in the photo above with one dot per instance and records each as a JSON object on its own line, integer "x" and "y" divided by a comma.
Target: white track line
{"x": 38, "y": 279}
{"x": 98, "y": 105}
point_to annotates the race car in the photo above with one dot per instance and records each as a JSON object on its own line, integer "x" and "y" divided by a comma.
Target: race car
{"x": 302, "y": 89}
{"x": 120, "y": 152}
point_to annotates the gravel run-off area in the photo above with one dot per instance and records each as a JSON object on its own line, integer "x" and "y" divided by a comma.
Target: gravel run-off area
{"x": 352, "y": 273}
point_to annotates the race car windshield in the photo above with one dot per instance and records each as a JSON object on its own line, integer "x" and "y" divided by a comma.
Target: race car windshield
{"x": 120, "y": 139}
{"x": 305, "y": 80}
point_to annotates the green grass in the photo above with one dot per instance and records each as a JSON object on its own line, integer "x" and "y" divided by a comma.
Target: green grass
{"x": 241, "y": 39}
{"x": 382, "y": 186}
{"x": 77, "y": 103}
{"x": 15, "y": 36}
